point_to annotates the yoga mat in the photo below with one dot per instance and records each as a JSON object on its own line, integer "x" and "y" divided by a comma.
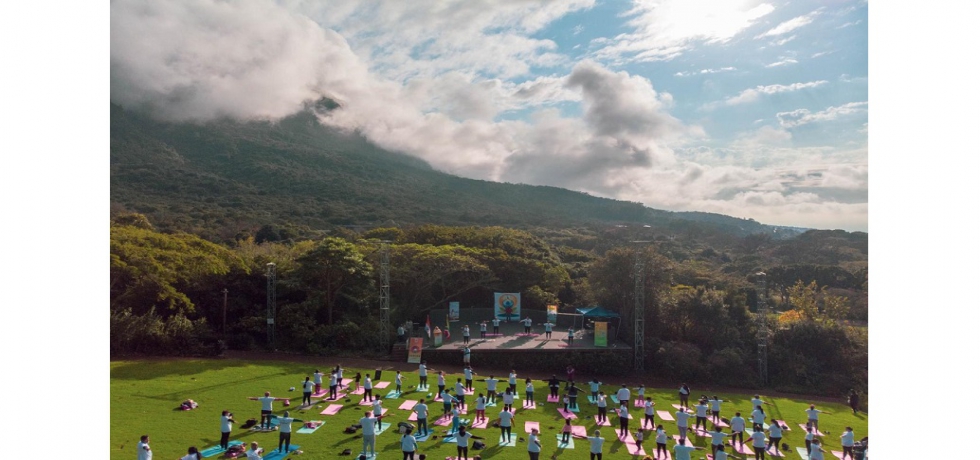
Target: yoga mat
{"x": 462, "y": 409}
{"x": 413, "y": 417}
{"x": 552, "y": 399}
{"x": 384, "y": 426}
{"x": 332, "y": 409}
{"x": 569, "y": 445}
{"x": 422, "y": 438}
{"x": 654, "y": 454}
{"x": 603, "y": 423}
{"x": 530, "y": 406}
{"x": 702, "y": 433}
{"x": 802, "y": 452}
{"x": 481, "y": 424}
{"x": 838, "y": 454}
{"x": 722, "y": 424}
{"x": 275, "y": 454}
{"x": 816, "y": 432}
{"x": 380, "y": 385}
{"x": 306, "y": 430}
{"x": 631, "y": 446}
{"x": 502, "y": 441}
{"x": 340, "y": 395}
{"x": 345, "y": 382}
{"x": 365, "y": 402}
{"x": 629, "y": 416}
{"x": 745, "y": 449}
{"x": 408, "y": 404}
{"x": 574, "y": 408}
{"x": 323, "y": 392}
{"x": 444, "y": 421}
{"x": 448, "y": 439}
{"x": 528, "y": 426}
{"x": 492, "y": 404}
{"x": 639, "y": 403}
{"x": 579, "y": 430}
{"x": 392, "y": 395}
{"x": 215, "y": 450}
{"x": 358, "y": 391}
{"x": 665, "y": 416}
{"x": 783, "y": 425}
{"x": 566, "y": 414}
{"x": 468, "y": 392}
{"x": 677, "y": 406}
{"x": 383, "y": 411}
{"x": 614, "y": 399}
{"x": 774, "y": 451}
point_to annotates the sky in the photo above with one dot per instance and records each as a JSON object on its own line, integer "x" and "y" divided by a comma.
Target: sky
{"x": 754, "y": 109}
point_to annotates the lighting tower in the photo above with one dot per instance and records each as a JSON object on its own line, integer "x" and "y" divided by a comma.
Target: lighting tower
{"x": 762, "y": 336}
{"x": 638, "y": 306}
{"x": 270, "y": 273}
{"x": 385, "y": 296}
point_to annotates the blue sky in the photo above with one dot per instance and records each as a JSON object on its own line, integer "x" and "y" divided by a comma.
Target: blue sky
{"x": 755, "y": 109}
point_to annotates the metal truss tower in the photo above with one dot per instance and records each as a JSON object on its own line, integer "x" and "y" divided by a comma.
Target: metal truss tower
{"x": 638, "y": 311}
{"x": 270, "y": 273}
{"x": 762, "y": 336}
{"x": 385, "y": 296}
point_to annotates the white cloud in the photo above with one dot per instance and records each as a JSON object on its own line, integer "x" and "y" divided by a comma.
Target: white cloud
{"x": 752, "y": 94}
{"x": 803, "y": 116}
{"x": 664, "y": 29}
{"x": 705, "y": 72}
{"x": 782, "y": 41}
{"x": 822, "y": 53}
{"x": 849, "y": 24}
{"x": 789, "y": 26}
{"x": 785, "y": 61}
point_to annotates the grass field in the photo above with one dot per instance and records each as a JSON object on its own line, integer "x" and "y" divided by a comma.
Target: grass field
{"x": 145, "y": 396}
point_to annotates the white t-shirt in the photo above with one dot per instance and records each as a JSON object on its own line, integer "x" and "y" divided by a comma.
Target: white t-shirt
{"x": 623, "y": 412}
{"x": 398, "y": 379}
{"x": 143, "y": 451}
{"x": 468, "y": 374}
{"x": 594, "y": 386}
{"x": 682, "y": 418}
{"x": 492, "y": 384}
{"x": 683, "y": 391}
{"x": 422, "y": 370}
{"x": 512, "y": 379}
{"x": 421, "y": 410}
{"x": 595, "y": 444}
{"x": 758, "y": 417}
{"x": 661, "y": 437}
{"x": 459, "y": 388}
{"x": 758, "y": 439}
{"x": 286, "y": 424}
{"x": 377, "y": 407}
{"x": 505, "y": 418}
{"x": 318, "y": 377}
{"x": 529, "y": 388}
{"x": 702, "y": 410}
{"x": 252, "y": 455}
{"x": 547, "y": 328}
{"x": 481, "y": 403}
{"x": 721, "y": 455}
{"x": 716, "y": 404}
{"x": 532, "y": 444}
{"x": 718, "y": 437}
{"x": 757, "y": 402}
{"x": 683, "y": 452}
{"x": 267, "y": 402}
{"x": 812, "y": 414}
{"x": 648, "y": 408}
{"x": 441, "y": 380}
{"x": 571, "y": 333}
{"x": 601, "y": 401}
{"x": 496, "y": 322}
{"x": 307, "y": 386}
{"x": 462, "y": 439}
{"x": 483, "y": 327}
{"x": 367, "y": 383}
{"x": 367, "y": 424}
{"x": 333, "y": 380}
{"x": 225, "y": 424}
{"x": 775, "y": 431}
{"x": 623, "y": 394}
{"x": 527, "y": 322}
{"x": 466, "y": 352}
{"x": 508, "y": 398}
{"x": 466, "y": 332}
{"x": 408, "y": 443}
{"x": 815, "y": 453}
{"x": 847, "y": 439}
{"x": 738, "y": 424}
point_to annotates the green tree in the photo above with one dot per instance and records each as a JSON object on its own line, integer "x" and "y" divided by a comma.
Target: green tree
{"x": 333, "y": 268}
{"x": 803, "y": 298}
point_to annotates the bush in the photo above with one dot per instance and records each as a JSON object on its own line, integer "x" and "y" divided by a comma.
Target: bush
{"x": 679, "y": 360}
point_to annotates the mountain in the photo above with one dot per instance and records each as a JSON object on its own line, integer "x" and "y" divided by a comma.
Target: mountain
{"x": 225, "y": 179}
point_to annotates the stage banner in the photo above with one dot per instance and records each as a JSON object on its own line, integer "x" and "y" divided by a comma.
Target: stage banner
{"x": 437, "y": 337}
{"x": 415, "y": 350}
{"x": 601, "y": 334}
{"x": 507, "y": 306}
{"x": 454, "y": 311}
{"x": 552, "y": 314}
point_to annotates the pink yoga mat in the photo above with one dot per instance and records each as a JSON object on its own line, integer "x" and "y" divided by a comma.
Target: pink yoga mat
{"x": 631, "y": 445}
{"x": 340, "y": 395}
{"x": 816, "y": 432}
{"x": 665, "y": 416}
{"x": 579, "y": 431}
{"x": 379, "y": 385}
{"x": 721, "y": 423}
{"x": 358, "y": 391}
{"x": 332, "y": 409}
{"x": 838, "y": 454}
{"x": 530, "y": 406}
{"x": 365, "y": 402}
{"x": 702, "y": 433}
{"x": 654, "y": 454}
{"x": 528, "y": 426}
{"x": 639, "y": 403}
{"x": 603, "y": 423}
{"x": 462, "y": 409}
{"x": 408, "y": 405}
{"x": 480, "y": 424}
{"x": 782, "y": 423}
{"x": 746, "y": 449}
{"x": 443, "y": 421}
{"x": 774, "y": 451}
{"x": 323, "y": 392}
{"x": 413, "y": 417}
{"x": 345, "y": 382}
{"x": 567, "y": 414}
{"x": 552, "y": 399}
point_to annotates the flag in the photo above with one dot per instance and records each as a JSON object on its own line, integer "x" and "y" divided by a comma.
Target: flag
{"x": 428, "y": 326}
{"x": 447, "y": 322}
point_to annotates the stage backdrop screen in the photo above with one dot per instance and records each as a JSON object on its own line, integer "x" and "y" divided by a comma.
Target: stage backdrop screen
{"x": 552, "y": 314}
{"x": 507, "y": 306}
{"x": 601, "y": 334}
{"x": 454, "y": 311}
{"x": 415, "y": 350}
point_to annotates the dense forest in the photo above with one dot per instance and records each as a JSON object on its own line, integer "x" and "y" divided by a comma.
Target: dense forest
{"x": 198, "y": 211}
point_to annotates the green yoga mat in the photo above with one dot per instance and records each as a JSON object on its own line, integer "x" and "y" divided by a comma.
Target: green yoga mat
{"x": 562, "y": 445}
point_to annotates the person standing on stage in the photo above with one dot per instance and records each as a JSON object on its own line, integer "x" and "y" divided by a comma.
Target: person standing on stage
{"x": 466, "y": 334}
{"x": 547, "y": 330}
{"x": 483, "y": 330}
{"x": 571, "y": 335}
{"x": 496, "y": 326}
{"x": 527, "y": 325}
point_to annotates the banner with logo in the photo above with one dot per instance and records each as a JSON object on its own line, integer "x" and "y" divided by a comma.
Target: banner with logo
{"x": 415, "y": 350}
{"x": 507, "y": 306}
{"x": 552, "y": 314}
{"x": 454, "y": 311}
{"x": 601, "y": 334}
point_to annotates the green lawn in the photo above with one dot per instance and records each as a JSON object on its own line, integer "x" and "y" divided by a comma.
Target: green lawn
{"x": 145, "y": 396}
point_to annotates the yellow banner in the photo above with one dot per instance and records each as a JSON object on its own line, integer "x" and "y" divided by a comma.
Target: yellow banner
{"x": 415, "y": 350}
{"x": 601, "y": 335}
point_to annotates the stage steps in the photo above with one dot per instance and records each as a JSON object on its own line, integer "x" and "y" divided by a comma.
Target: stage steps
{"x": 399, "y": 352}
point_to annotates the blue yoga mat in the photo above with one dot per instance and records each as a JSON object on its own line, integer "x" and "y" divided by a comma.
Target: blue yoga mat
{"x": 392, "y": 395}
{"x": 422, "y": 438}
{"x": 215, "y": 450}
{"x": 275, "y": 454}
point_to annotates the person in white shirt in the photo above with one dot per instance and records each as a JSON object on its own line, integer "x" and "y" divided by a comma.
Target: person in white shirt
{"x": 847, "y": 443}
{"x": 812, "y": 415}
{"x": 759, "y": 442}
{"x": 481, "y": 407}
{"x": 547, "y": 330}
{"x": 756, "y": 401}
{"x": 143, "y": 451}
{"x": 641, "y": 393}
{"x": 460, "y": 392}
{"x": 601, "y": 402}
{"x": 422, "y": 415}
{"x": 254, "y": 453}
{"x": 340, "y": 375}
{"x": 462, "y": 443}
{"x": 441, "y": 381}
{"x": 226, "y": 422}
{"x": 505, "y": 419}
{"x": 367, "y": 431}
{"x": 816, "y": 452}
{"x": 701, "y": 416}
{"x": 717, "y": 439}
{"x": 594, "y": 388}
{"x": 623, "y": 395}
{"x": 368, "y": 388}
{"x": 468, "y": 377}
{"x": 661, "y": 441}
{"x": 527, "y": 325}
{"x": 809, "y": 439}
{"x": 483, "y": 330}
{"x": 492, "y": 390}
{"x": 466, "y": 334}
{"x": 648, "y": 412}
{"x": 738, "y": 428}
{"x": 508, "y": 400}
{"x": 595, "y": 446}
{"x": 334, "y": 381}
{"x": 192, "y": 454}
{"x": 286, "y": 430}
{"x": 682, "y": 451}
{"x": 529, "y": 392}
{"x": 775, "y": 435}
{"x": 409, "y": 446}
{"x": 571, "y": 336}
{"x": 267, "y": 400}
{"x": 512, "y": 381}
{"x": 377, "y": 409}
{"x": 533, "y": 445}
{"x": 398, "y": 383}
{"x": 758, "y": 416}
{"x": 466, "y": 355}
{"x": 496, "y": 326}
{"x": 307, "y": 392}
{"x": 682, "y": 417}
{"x": 715, "y": 408}
{"x": 317, "y": 380}
{"x": 423, "y": 375}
